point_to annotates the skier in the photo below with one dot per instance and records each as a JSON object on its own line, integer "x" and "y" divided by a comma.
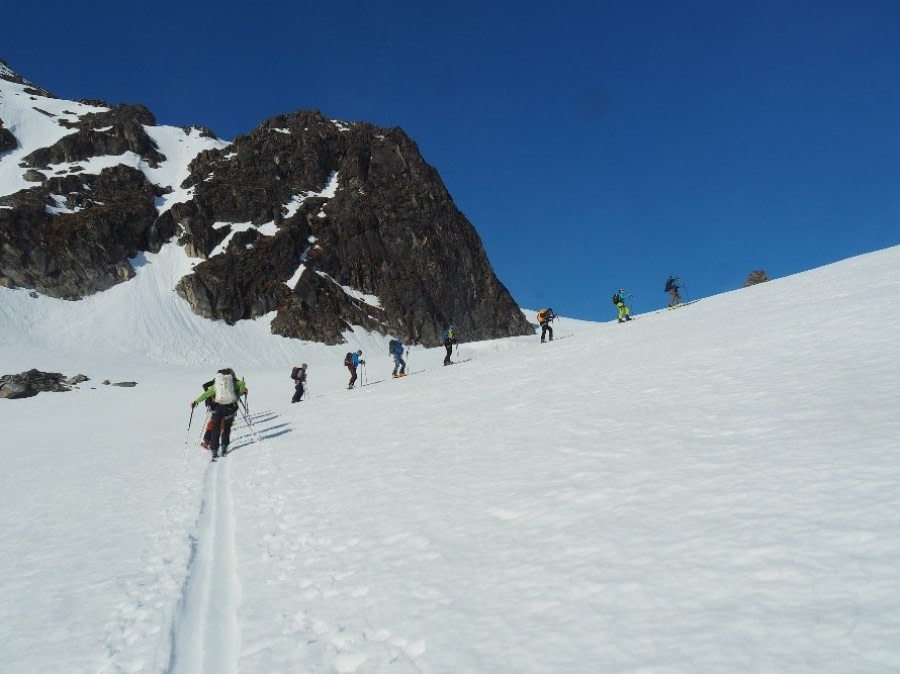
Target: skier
{"x": 225, "y": 390}
{"x": 299, "y": 377}
{"x": 353, "y": 361}
{"x": 672, "y": 288}
{"x": 207, "y": 432}
{"x": 545, "y": 317}
{"x": 396, "y": 350}
{"x": 619, "y": 300}
{"x": 449, "y": 338}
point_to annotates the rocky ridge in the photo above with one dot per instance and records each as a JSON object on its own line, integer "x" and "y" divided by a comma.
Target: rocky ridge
{"x": 325, "y": 224}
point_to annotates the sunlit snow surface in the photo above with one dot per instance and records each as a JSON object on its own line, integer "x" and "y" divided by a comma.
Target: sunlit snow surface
{"x": 710, "y": 489}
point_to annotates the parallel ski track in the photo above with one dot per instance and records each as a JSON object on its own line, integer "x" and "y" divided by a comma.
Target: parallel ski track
{"x": 206, "y": 631}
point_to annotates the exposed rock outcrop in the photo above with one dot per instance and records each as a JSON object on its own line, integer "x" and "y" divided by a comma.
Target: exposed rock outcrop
{"x": 756, "y": 276}
{"x": 28, "y": 384}
{"x": 7, "y": 139}
{"x": 114, "y": 132}
{"x": 106, "y": 219}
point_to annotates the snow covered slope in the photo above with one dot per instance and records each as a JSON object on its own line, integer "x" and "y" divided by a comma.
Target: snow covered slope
{"x": 715, "y": 488}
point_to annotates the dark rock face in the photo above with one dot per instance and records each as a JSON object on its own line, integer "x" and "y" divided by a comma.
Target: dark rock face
{"x": 70, "y": 255}
{"x": 391, "y": 230}
{"x": 385, "y": 227}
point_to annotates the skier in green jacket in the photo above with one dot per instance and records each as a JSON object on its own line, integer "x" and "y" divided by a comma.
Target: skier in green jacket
{"x": 225, "y": 391}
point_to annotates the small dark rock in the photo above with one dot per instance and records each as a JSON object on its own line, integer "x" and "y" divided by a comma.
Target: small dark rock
{"x": 757, "y": 276}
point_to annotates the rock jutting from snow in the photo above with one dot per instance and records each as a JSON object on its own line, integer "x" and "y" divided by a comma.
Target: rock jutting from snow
{"x": 32, "y": 382}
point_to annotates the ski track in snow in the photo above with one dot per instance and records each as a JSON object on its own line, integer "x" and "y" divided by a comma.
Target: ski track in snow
{"x": 206, "y": 629}
{"x": 309, "y": 630}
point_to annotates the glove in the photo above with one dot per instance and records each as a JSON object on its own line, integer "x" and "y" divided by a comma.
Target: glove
{"x": 193, "y": 404}
{"x": 363, "y": 362}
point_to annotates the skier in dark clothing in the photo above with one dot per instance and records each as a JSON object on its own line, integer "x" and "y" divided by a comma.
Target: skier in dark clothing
{"x": 396, "y": 349}
{"x": 299, "y": 383}
{"x": 672, "y": 288}
{"x": 545, "y": 317}
{"x": 224, "y": 392}
{"x": 449, "y": 337}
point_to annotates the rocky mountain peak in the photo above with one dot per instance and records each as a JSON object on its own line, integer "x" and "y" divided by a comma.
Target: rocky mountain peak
{"x": 322, "y": 224}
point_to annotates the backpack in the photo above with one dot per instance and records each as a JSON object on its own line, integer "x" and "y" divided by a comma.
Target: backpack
{"x": 542, "y": 314}
{"x": 669, "y": 284}
{"x": 225, "y": 389}
{"x": 294, "y": 372}
{"x": 208, "y": 401}
{"x": 616, "y": 299}
{"x": 394, "y": 347}
{"x": 348, "y": 359}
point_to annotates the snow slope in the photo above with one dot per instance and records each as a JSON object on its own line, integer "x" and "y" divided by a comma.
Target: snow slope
{"x": 715, "y": 488}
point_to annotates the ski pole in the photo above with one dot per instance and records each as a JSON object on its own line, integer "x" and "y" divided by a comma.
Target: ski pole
{"x": 190, "y": 421}
{"x": 250, "y": 425}
{"x": 203, "y": 427}
{"x": 686, "y": 295}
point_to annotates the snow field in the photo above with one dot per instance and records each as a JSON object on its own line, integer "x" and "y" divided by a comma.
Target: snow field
{"x": 713, "y": 488}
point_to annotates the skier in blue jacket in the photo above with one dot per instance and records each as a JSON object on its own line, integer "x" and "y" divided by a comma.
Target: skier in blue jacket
{"x": 353, "y": 362}
{"x": 399, "y": 363}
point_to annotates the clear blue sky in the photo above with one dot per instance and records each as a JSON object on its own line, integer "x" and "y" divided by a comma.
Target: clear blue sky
{"x": 593, "y": 144}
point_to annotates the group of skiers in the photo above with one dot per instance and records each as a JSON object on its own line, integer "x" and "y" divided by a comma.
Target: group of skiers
{"x": 672, "y": 287}
{"x": 222, "y": 394}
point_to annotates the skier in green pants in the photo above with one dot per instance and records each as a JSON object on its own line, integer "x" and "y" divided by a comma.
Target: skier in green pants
{"x": 619, "y": 300}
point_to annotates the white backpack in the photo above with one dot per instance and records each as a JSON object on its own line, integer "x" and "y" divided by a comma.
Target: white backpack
{"x": 224, "y": 384}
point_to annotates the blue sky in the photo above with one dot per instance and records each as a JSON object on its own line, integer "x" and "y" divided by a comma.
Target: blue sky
{"x": 593, "y": 145}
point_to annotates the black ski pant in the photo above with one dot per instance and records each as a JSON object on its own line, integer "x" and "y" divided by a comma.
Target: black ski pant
{"x": 222, "y": 420}
{"x": 449, "y": 346}
{"x": 298, "y": 392}
{"x": 545, "y": 328}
